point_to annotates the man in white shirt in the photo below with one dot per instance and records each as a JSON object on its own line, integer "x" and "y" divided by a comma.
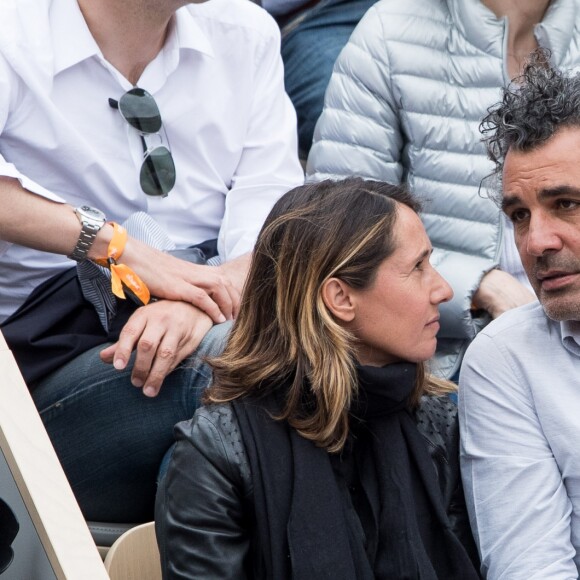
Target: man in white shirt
{"x": 519, "y": 402}
{"x": 80, "y": 85}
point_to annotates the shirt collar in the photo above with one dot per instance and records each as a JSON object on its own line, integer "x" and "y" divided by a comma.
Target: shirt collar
{"x": 480, "y": 26}
{"x": 188, "y": 33}
{"x": 73, "y": 41}
{"x": 71, "y": 38}
{"x": 556, "y": 31}
{"x": 570, "y": 330}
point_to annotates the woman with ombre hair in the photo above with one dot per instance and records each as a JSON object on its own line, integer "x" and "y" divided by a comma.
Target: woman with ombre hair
{"x": 324, "y": 449}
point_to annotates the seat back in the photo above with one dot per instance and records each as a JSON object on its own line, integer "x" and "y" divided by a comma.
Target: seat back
{"x": 134, "y": 555}
{"x": 106, "y": 534}
{"x": 52, "y": 539}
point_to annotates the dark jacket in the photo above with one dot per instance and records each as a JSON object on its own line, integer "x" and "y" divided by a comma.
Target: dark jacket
{"x": 208, "y": 538}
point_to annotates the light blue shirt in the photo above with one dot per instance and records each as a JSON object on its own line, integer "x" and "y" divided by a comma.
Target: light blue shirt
{"x": 519, "y": 412}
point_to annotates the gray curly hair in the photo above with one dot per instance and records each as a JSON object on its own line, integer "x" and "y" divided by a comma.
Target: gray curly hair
{"x": 534, "y": 107}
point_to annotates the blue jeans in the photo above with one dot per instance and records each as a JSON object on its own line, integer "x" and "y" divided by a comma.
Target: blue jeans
{"x": 109, "y": 437}
{"x": 311, "y": 42}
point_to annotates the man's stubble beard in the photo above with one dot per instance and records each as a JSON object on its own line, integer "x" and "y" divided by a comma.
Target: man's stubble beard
{"x": 563, "y": 304}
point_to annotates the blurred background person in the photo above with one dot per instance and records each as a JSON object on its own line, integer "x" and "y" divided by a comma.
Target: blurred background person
{"x": 313, "y": 34}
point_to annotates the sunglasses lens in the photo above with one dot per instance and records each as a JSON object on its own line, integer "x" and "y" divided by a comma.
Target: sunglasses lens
{"x": 140, "y": 111}
{"x": 157, "y": 174}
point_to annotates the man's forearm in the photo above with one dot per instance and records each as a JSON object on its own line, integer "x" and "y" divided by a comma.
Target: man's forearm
{"x": 33, "y": 221}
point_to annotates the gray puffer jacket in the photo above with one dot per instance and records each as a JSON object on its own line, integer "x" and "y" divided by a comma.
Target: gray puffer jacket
{"x": 405, "y": 102}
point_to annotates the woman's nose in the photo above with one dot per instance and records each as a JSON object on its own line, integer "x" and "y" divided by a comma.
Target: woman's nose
{"x": 442, "y": 291}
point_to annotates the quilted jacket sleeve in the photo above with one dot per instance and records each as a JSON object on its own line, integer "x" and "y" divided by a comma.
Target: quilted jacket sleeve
{"x": 358, "y": 132}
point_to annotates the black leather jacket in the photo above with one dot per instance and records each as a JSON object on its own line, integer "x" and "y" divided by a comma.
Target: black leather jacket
{"x": 210, "y": 538}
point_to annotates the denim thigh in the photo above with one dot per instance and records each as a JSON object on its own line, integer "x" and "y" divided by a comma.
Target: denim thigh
{"x": 109, "y": 437}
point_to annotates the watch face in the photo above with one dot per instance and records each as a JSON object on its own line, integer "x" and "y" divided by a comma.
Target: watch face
{"x": 91, "y": 213}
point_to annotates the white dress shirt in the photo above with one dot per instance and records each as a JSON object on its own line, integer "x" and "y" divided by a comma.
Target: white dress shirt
{"x": 519, "y": 412}
{"x": 219, "y": 86}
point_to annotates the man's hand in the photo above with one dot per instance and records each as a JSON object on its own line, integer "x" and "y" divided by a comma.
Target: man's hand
{"x": 236, "y": 271}
{"x": 208, "y": 288}
{"x": 499, "y": 292}
{"x": 215, "y": 291}
{"x": 163, "y": 334}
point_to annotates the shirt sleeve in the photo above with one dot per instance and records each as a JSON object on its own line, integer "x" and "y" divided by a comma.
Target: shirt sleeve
{"x": 10, "y": 97}
{"x": 269, "y": 164}
{"x": 517, "y": 502}
{"x": 9, "y": 170}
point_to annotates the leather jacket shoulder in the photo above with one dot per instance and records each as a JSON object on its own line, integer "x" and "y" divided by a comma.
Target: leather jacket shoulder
{"x": 207, "y": 538}
{"x": 212, "y": 441}
{"x": 438, "y": 423}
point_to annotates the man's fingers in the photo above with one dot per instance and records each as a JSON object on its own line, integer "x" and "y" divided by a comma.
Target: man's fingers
{"x": 231, "y": 294}
{"x": 237, "y": 301}
{"x": 128, "y": 339}
{"x": 210, "y": 283}
{"x": 145, "y": 355}
{"x": 200, "y": 299}
{"x": 162, "y": 334}
{"x": 224, "y": 297}
{"x": 107, "y": 354}
{"x": 152, "y": 371}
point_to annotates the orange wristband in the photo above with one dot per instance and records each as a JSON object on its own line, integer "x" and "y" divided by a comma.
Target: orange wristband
{"x": 123, "y": 279}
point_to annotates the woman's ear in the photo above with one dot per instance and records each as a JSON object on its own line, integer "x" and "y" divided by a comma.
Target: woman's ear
{"x": 337, "y": 296}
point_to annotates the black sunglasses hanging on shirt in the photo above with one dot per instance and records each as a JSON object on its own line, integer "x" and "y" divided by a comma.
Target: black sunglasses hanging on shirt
{"x": 139, "y": 109}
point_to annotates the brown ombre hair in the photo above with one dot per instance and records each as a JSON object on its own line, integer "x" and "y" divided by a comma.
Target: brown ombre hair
{"x": 284, "y": 331}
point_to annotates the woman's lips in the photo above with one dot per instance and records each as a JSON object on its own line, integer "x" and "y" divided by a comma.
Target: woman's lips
{"x": 433, "y": 323}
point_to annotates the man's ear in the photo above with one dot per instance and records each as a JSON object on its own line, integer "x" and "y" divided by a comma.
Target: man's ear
{"x": 337, "y": 295}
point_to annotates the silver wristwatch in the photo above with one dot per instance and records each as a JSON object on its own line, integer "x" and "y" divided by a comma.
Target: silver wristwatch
{"x": 92, "y": 220}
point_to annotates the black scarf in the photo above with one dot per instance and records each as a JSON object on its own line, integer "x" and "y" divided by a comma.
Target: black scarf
{"x": 300, "y": 515}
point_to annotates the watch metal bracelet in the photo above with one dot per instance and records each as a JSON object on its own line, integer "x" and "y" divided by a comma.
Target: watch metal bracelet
{"x": 86, "y": 238}
{"x": 92, "y": 220}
